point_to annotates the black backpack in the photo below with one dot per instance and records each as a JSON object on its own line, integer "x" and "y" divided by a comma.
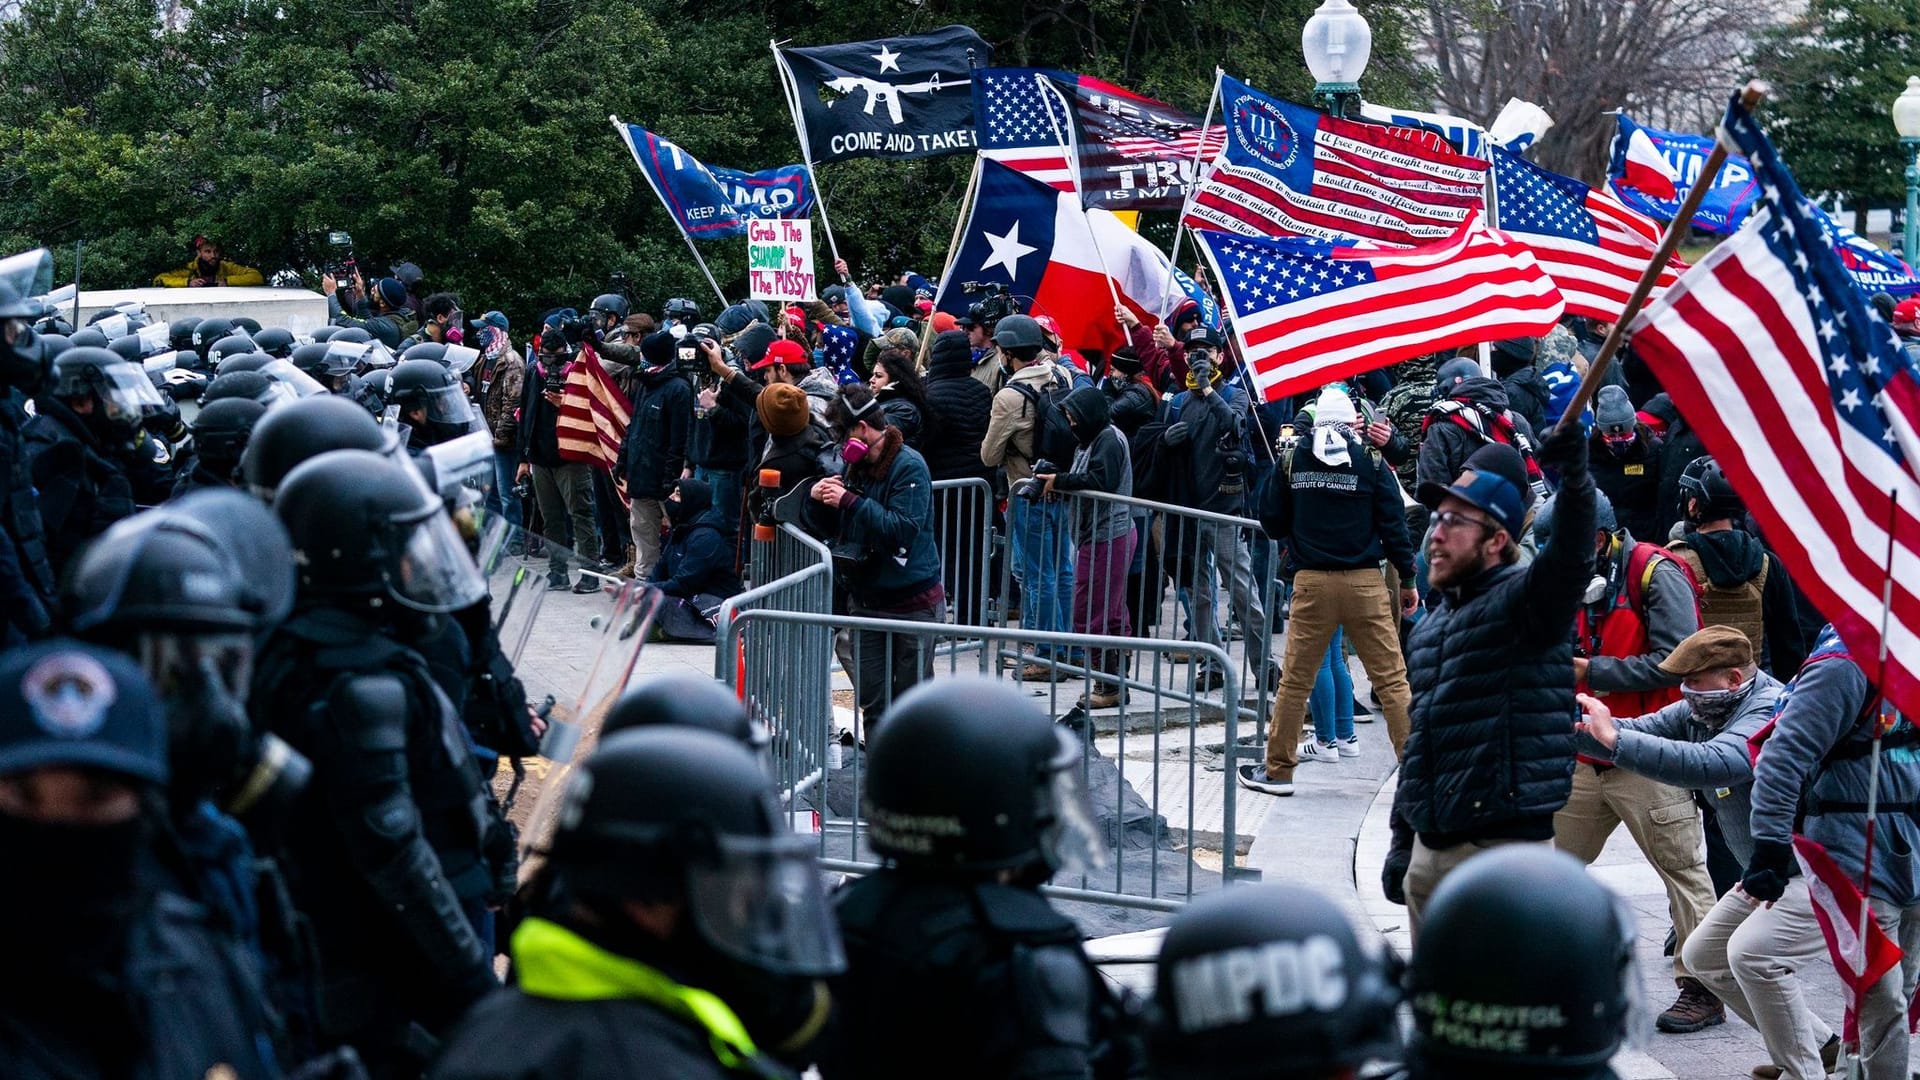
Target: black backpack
{"x": 1053, "y": 439}
{"x": 1143, "y": 452}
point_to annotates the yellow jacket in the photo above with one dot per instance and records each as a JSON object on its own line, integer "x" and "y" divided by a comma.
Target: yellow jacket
{"x": 231, "y": 273}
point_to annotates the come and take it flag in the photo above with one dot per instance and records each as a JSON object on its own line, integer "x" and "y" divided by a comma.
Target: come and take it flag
{"x": 901, "y": 97}
{"x": 593, "y": 413}
{"x": 1807, "y": 401}
{"x": 1308, "y": 312}
{"x": 1837, "y": 905}
{"x": 1135, "y": 153}
{"x": 1292, "y": 171}
{"x": 712, "y": 203}
{"x": 1592, "y": 246}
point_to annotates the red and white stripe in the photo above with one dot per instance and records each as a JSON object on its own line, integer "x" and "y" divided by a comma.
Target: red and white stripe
{"x": 1837, "y": 906}
{"x": 1395, "y": 185}
{"x": 1182, "y": 146}
{"x": 1735, "y": 344}
{"x": 593, "y": 414}
{"x": 1598, "y": 279}
{"x": 1478, "y": 285}
{"x": 1047, "y": 164}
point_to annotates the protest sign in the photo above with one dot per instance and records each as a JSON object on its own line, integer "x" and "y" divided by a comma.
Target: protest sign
{"x": 779, "y": 259}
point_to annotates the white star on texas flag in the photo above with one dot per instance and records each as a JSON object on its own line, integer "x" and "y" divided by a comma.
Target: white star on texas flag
{"x": 1007, "y": 251}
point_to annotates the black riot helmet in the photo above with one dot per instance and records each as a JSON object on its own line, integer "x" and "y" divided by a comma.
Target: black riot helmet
{"x": 1269, "y": 982}
{"x": 683, "y": 311}
{"x": 245, "y": 324}
{"x": 429, "y": 386}
{"x": 128, "y": 347}
{"x": 325, "y": 333}
{"x": 675, "y": 814}
{"x": 611, "y": 306}
{"x": 426, "y": 350}
{"x": 1452, "y": 374}
{"x": 88, "y": 337}
{"x": 241, "y": 361}
{"x": 317, "y": 360}
{"x": 352, "y": 333}
{"x": 1565, "y": 991}
{"x": 210, "y": 331}
{"x": 221, "y": 430}
{"x": 686, "y": 701}
{"x": 123, "y": 394}
{"x": 23, "y": 363}
{"x": 1705, "y": 482}
{"x": 180, "y": 334}
{"x": 167, "y": 588}
{"x": 365, "y": 528}
{"x": 251, "y": 385}
{"x": 275, "y": 341}
{"x": 252, "y": 535}
{"x": 298, "y": 430}
{"x": 966, "y": 776}
{"x": 232, "y": 345}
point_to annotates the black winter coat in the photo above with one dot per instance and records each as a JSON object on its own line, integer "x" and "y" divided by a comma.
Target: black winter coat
{"x": 654, "y": 453}
{"x": 1490, "y": 753}
{"x": 963, "y": 404}
{"x": 83, "y": 485}
{"x": 902, "y": 413}
{"x": 1632, "y": 483}
{"x": 718, "y": 440}
{"x": 26, "y": 578}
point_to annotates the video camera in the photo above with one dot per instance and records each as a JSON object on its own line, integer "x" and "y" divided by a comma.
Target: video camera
{"x": 689, "y": 360}
{"x": 999, "y": 304}
{"x": 340, "y": 262}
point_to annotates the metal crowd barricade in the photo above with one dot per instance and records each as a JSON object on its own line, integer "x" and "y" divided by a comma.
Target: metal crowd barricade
{"x": 964, "y": 530}
{"x": 1187, "y": 567}
{"x": 782, "y": 671}
{"x": 1143, "y": 764}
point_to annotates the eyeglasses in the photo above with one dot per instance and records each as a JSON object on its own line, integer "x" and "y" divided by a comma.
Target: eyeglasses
{"x": 1447, "y": 519}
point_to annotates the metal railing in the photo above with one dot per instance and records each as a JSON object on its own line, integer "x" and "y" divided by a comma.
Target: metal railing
{"x": 964, "y": 530}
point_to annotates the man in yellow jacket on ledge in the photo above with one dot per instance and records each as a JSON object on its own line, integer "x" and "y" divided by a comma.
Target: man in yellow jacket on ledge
{"x": 208, "y": 268}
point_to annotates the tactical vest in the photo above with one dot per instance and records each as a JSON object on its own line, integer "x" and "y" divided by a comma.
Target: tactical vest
{"x": 1738, "y": 607}
{"x": 1623, "y": 633}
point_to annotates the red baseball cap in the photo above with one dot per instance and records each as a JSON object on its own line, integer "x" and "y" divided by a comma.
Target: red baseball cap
{"x": 783, "y": 351}
{"x": 1907, "y": 312}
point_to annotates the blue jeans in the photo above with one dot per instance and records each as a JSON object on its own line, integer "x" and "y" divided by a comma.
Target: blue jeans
{"x": 502, "y": 500}
{"x": 1039, "y": 535}
{"x": 1331, "y": 705}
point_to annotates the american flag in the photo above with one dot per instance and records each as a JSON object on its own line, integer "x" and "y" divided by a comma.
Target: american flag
{"x": 1592, "y": 246}
{"x": 593, "y": 413}
{"x": 1292, "y": 171}
{"x": 1135, "y": 153}
{"x": 840, "y": 343}
{"x": 1809, "y": 404}
{"x": 1836, "y": 907}
{"x": 1308, "y": 312}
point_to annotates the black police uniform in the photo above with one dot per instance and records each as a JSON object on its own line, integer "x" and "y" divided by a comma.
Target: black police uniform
{"x": 82, "y": 484}
{"x": 388, "y": 838}
{"x": 26, "y": 577}
{"x": 967, "y": 980}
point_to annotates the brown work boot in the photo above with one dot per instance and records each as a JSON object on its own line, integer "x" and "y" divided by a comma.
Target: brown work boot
{"x": 1694, "y": 1010}
{"x": 1036, "y": 672}
{"x": 1829, "y": 1060}
{"x": 1103, "y": 695}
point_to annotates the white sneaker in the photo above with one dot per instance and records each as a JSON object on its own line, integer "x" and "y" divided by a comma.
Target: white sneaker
{"x": 1349, "y": 746}
{"x": 1315, "y": 750}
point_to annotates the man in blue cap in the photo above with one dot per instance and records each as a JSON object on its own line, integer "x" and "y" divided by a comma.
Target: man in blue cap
{"x": 110, "y": 972}
{"x": 1489, "y": 757}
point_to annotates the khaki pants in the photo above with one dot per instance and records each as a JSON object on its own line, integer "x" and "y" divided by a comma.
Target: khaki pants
{"x": 646, "y": 516}
{"x": 1664, "y": 824}
{"x": 1428, "y": 867}
{"x": 1748, "y": 954}
{"x": 1323, "y": 601}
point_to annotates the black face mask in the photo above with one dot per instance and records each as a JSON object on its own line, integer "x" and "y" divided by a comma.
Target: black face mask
{"x": 77, "y": 887}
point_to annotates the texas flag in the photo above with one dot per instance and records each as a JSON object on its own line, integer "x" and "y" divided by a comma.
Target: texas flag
{"x": 1045, "y": 249}
{"x": 1645, "y": 168}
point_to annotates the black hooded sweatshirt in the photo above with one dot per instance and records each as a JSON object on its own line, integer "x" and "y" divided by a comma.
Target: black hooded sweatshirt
{"x": 1731, "y": 558}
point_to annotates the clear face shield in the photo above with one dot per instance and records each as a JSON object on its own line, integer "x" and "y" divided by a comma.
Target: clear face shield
{"x": 374, "y": 356}
{"x": 434, "y": 571}
{"x": 460, "y": 359}
{"x": 290, "y": 383}
{"x": 761, "y": 903}
{"x": 450, "y": 405}
{"x": 129, "y": 396}
{"x": 1070, "y": 836}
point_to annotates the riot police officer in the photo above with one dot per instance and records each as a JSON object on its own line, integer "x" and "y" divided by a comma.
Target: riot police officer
{"x": 686, "y": 700}
{"x": 1557, "y": 1000}
{"x": 955, "y": 962}
{"x": 26, "y": 362}
{"x": 689, "y": 939}
{"x": 1270, "y": 982}
{"x": 301, "y": 429}
{"x": 220, "y": 434}
{"x": 432, "y": 403}
{"x": 92, "y": 459}
{"x": 384, "y": 847}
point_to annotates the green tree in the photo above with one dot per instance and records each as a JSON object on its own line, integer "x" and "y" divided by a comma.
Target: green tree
{"x": 471, "y": 136}
{"x": 1835, "y": 71}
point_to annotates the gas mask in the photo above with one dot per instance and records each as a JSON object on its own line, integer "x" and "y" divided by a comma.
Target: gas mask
{"x": 853, "y": 450}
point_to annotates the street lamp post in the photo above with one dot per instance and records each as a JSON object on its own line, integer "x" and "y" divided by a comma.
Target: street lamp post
{"x": 1337, "y": 42}
{"x": 1906, "y": 120}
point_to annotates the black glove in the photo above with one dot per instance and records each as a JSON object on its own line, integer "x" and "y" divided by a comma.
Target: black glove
{"x": 1565, "y": 448}
{"x": 1177, "y": 434}
{"x": 1393, "y": 875}
{"x": 1768, "y": 871}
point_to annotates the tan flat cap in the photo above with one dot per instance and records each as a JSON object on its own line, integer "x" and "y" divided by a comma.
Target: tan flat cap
{"x": 1710, "y": 649}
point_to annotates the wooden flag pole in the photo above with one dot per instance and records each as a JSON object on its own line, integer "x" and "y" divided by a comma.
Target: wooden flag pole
{"x": 1756, "y": 91}
{"x": 946, "y": 268}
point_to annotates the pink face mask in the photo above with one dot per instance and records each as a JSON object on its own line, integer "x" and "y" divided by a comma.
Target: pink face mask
{"x": 852, "y": 450}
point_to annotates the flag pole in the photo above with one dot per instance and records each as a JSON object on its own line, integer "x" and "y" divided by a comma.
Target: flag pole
{"x": 1491, "y": 199}
{"x": 953, "y": 250}
{"x": 1879, "y": 731}
{"x": 1070, "y": 145}
{"x": 1755, "y": 91}
{"x": 1199, "y": 151}
{"x": 790, "y": 89}
{"x": 627, "y": 138}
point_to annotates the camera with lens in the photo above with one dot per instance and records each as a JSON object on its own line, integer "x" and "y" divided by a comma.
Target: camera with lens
{"x": 998, "y": 305}
{"x": 1031, "y": 488}
{"x": 340, "y": 262}
{"x": 523, "y": 488}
